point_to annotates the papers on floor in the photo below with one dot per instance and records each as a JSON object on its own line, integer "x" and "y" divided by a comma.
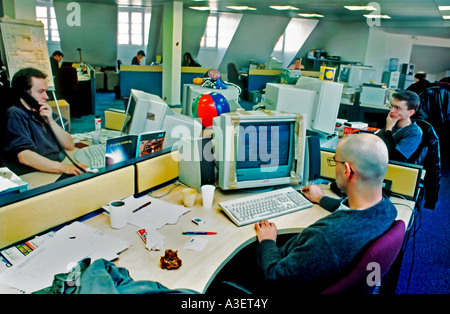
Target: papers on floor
{"x": 59, "y": 254}
{"x": 154, "y": 216}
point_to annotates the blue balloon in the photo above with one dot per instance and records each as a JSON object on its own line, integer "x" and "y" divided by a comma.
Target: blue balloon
{"x": 221, "y": 103}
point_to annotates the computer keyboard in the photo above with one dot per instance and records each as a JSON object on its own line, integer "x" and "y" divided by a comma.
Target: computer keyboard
{"x": 93, "y": 156}
{"x": 262, "y": 206}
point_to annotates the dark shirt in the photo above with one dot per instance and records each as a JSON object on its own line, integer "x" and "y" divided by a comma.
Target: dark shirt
{"x": 402, "y": 142}
{"x": 419, "y": 86}
{"x": 26, "y": 132}
{"x": 321, "y": 253}
{"x": 54, "y": 65}
{"x": 136, "y": 61}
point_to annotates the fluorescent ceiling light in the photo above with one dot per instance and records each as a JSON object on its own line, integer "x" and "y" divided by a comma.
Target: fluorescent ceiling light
{"x": 200, "y": 8}
{"x": 240, "y": 7}
{"x": 377, "y": 16}
{"x": 360, "y": 7}
{"x": 446, "y": 17}
{"x": 310, "y": 15}
{"x": 283, "y": 7}
{"x": 444, "y": 7}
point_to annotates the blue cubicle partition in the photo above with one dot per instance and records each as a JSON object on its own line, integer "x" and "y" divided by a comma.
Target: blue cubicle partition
{"x": 149, "y": 78}
{"x": 144, "y": 78}
{"x": 257, "y": 79}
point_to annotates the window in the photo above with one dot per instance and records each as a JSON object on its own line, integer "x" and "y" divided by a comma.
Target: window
{"x": 279, "y": 46}
{"x": 46, "y": 14}
{"x": 209, "y": 39}
{"x": 133, "y": 26}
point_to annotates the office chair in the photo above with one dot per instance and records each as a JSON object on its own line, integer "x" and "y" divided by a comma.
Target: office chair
{"x": 429, "y": 156}
{"x": 66, "y": 87}
{"x": 435, "y": 109}
{"x": 383, "y": 251}
{"x": 233, "y": 76}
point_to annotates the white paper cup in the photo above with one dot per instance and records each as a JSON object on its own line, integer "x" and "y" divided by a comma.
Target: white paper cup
{"x": 208, "y": 195}
{"x": 95, "y": 138}
{"x": 189, "y": 197}
{"x": 117, "y": 214}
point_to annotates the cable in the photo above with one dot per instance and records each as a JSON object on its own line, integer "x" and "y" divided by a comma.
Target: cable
{"x": 61, "y": 148}
{"x": 176, "y": 184}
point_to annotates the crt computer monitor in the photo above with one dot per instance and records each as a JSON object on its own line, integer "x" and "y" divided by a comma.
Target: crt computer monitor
{"x": 147, "y": 112}
{"x": 354, "y": 76}
{"x": 254, "y": 149}
{"x": 318, "y": 100}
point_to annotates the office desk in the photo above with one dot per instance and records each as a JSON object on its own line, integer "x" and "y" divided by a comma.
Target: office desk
{"x": 199, "y": 268}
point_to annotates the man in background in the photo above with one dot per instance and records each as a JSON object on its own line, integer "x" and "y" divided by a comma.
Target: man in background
{"x": 137, "y": 58}
{"x": 420, "y": 83}
{"x": 401, "y": 135}
{"x": 55, "y": 59}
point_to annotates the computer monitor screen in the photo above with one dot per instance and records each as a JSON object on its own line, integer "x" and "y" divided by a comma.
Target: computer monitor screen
{"x": 145, "y": 113}
{"x": 148, "y": 113}
{"x": 258, "y": 148}
{"x": 355, "y": 76}
{"x": 264, "y": 145}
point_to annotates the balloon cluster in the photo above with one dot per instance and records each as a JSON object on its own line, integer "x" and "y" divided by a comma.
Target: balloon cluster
{"x": 207, "y": 106}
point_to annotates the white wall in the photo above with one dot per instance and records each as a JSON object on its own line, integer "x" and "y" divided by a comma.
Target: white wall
{"x": 96, "y": 35}
{"x": 382, "y": 46}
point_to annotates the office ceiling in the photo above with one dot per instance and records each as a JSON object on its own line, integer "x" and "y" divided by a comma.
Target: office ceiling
{"x": 411, "y": 17}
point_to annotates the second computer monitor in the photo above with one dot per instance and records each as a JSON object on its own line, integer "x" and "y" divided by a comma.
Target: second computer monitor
{"x": 147, "y": 112}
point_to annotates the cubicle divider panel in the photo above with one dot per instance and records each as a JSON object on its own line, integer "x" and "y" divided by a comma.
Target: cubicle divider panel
{"x": 25, "y": 218}
{"x": 404, "y": 177}
{"x": 144, "y": 78}
{"x": 156, "y": 171}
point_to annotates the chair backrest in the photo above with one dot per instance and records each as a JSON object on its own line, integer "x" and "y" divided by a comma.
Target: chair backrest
{"x": 428, "y": 155}
{"x": 434, "y": 108}
{"x": 383, "y": 250}
{"x": 66, "y": 79}
{"x": 232, "y": 73}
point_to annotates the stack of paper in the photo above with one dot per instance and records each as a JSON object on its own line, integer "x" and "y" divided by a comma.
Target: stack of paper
{"x": 59, "y": 254}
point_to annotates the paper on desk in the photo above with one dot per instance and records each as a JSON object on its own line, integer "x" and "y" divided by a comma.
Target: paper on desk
{"x": 154, "y": 216}
{"x": 196, "y": 244}
{"x": 59, "y": 254}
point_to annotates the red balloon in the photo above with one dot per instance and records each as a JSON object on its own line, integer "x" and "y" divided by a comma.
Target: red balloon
{"x": 206, "y": 110}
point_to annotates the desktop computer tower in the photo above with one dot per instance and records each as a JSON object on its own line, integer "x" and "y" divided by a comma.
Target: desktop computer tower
{"x": 406, "y": 75}
{"x": 196, "y": 162}
{"x": 391, "y": 79}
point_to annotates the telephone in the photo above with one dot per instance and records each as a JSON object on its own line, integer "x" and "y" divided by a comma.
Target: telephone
{"x": 33, "y": 103}
{"x": 30, "y": 100}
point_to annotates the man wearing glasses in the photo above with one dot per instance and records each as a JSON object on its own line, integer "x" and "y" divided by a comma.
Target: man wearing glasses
{"x": 315, "y": 258}
{"x": 401, "y": 135}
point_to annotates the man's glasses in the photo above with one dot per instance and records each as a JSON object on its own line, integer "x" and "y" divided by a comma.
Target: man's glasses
{"x": 332, "y": 161}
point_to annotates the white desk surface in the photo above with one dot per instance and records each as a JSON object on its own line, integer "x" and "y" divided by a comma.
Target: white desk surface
{"x": 198, "y": 268}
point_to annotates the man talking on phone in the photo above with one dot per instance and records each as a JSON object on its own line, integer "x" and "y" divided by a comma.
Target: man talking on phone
{"x": 28, "y": 144}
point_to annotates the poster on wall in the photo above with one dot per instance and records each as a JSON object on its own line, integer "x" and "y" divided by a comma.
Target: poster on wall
{"x": 24, "y": 45}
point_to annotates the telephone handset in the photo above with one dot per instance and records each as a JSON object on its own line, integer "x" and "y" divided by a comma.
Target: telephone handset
{"x": 30, "y": 100}
{"x": 33, "y": 103}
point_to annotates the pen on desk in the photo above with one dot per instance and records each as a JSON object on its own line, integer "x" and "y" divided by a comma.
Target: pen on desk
{"x": 142, "y": 206}
{"x": 198, "y": 233}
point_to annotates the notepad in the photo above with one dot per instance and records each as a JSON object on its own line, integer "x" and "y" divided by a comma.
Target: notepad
{"x": 154, "y": 216}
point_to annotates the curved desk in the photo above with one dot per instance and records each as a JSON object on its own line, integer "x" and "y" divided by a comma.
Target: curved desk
{"x": 199, "y": 268}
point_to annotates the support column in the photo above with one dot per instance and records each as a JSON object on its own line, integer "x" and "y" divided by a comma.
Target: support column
{"x": 172, "y": 34}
